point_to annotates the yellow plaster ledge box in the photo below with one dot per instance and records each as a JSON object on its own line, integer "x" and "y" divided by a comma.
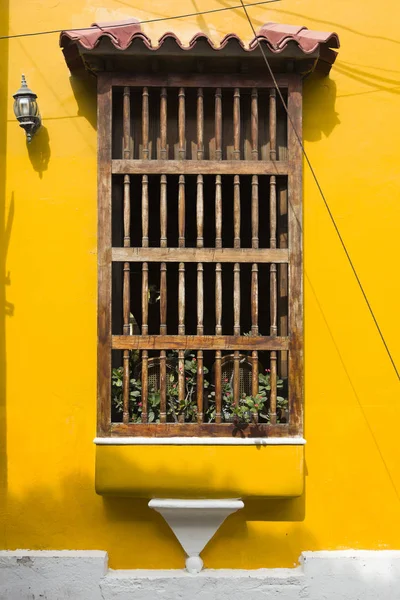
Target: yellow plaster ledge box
{"x": 200, "y": 467}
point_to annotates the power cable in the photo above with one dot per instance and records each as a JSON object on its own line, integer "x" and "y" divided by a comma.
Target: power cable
{"x": 205, "y": 12}
{"x": 321, "y": 192}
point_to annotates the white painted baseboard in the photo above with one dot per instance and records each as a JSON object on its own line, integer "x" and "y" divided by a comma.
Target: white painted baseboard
{"x": 83, "y": 575}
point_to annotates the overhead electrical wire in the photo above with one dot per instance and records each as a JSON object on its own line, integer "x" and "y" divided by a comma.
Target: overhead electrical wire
{"x": 244, "y": 6}
{"x": 136, "y": 22}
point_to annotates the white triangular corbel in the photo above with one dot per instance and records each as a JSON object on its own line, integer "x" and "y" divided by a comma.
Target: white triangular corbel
{"x": 194, "y": 523}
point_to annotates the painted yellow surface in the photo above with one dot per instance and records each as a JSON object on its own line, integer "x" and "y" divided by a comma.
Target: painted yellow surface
{"x": 200, "y": 471}
{"x": 48, "y": 287}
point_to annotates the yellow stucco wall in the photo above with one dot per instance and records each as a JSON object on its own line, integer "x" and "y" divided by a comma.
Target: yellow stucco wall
{"x": 48, "y": 290}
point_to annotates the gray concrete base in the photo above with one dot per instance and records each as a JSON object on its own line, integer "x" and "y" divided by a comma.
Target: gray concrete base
{"x": 83, "y": 575}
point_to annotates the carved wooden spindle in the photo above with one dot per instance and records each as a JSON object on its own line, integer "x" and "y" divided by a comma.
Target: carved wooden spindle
{"x": 145, "y": 244}
{"x": 163, "y": 386}
{"x": 127, "y": 122}
{"x": 273, "y": 292}
{"x": 145, "y": 123}
{"x": 200, "y": 124}
{"x": 145, "y": 211}
{"x": 218, "y": 124}
{"x": 200, "y": 212}
{"x": 254, "y": 373}
{"x": 236, "y": 124}
{"x": 145, "y": 299}
{"x": 200, "y": 300}
{"x": 145, "y": 385}
{"x": 218, "y": 386}
{"x": 272, "y": 123}
{"x": 273, "y": 278}
{"x": 163, "y": 244}
{"x": 218, "y": 299}
{"x": 181, "y": 380}
{"x": 163, "y": 298}
{"x": 126, "y": 110}
{"x": 273, "y": 393}
{"x": 200, "y": 386}
{"x": 272, "y": 211}
{"x": 254, "y": 212}
{"x": 236, "y": 377}
{"x": 125, "y": 387}
{"x": 181, "y": 299}
{"x": 236, "y": 299}
{"x": 163, "y": 124}
{"x": 163, "y": 211}
{"x": 254, "y": 299}
{"x": 218, "y": 212}
{"x": 254, "y": 124}
{"x": 236, "y": 211}
{"x": 181, "y": 211}
{"x": 181, "y": 123}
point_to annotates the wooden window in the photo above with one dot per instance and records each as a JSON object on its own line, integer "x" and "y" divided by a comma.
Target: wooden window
{"x": 200, "y": 260}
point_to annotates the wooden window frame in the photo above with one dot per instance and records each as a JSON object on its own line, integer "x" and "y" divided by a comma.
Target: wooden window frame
{"x": 107, "y": 166}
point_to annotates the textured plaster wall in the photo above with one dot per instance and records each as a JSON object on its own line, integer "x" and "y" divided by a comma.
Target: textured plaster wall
{"x": 48, "y": 287}
{"x": 25, "y": 575}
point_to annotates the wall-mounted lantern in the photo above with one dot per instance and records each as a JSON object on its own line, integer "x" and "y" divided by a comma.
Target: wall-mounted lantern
{"x": 26, "y": 110}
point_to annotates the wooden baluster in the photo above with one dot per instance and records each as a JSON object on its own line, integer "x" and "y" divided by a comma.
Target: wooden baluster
{"x": 200, "y": 124}
{"x": 163, "y": 266}
{"x": 273, "y": 380}
{"x": 145, "y": 211}
{"x": 163, "y": 299}
{"x": 127, "y": 122}
{"x": 181, "y": 299}
{"x": 145, "y": 385}
{"x": 145, "y": 124}
{"x": 200, "y": 386}
{"x": 145, "y": 244}
{"x": 254, "y": 124}
{"x": 200, "y": 212}
{"x": 254, "y": 212}
{"x": 272, "y": 123}
{"x": 236, "y": 377}
{"x": 145, "y": 299}
{"x": 218, "y": 124}
{"x": 181, "y": 244}
{"x": 125, "y": 387}
{"x": 200, "y": 331}
{"x": 254, "y": 282}
{"x": 254, "y": 299}
{"x": 163, "y": 386}
{"x": 218, "y": 244}
{"x": 236, "y": 211}
{"x": 127, "y": 242}
{"x": 181, "y": 382}
{"x": 163, "y": 211}
{"x": 283, "y": 280}
{"x": 181, "y": 123}
{"x": 163, "y": 124}
{"x": 236, "y": 299}
{"x": 273, "y": 280}
{"x": 218, "y": 299}
{"x": 200, "y": 302}
{"x": 254, "y": 373}
{"x": 218, "y": 212}
{"x": 236, "y": 124}
{"x": 236, "y": 287}
{"x": 272, "y": 210}
{"x": 181, "y": 211}
{"x": 218, "y": 386}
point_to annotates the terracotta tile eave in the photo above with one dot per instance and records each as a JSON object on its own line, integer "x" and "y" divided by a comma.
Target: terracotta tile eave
{"x": 276, "y": 38}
